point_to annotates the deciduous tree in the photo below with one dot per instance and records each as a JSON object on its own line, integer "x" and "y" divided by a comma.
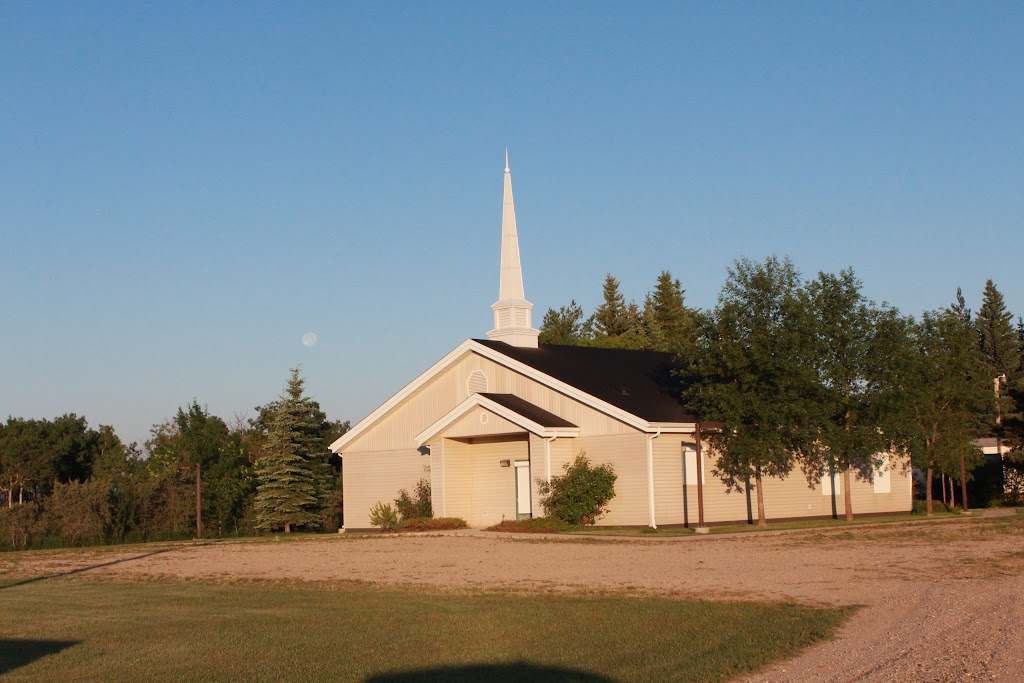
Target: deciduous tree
{"x": 945, "y": 393}
{"x": 854, "y": 343}
{"x": 752, "y": 369}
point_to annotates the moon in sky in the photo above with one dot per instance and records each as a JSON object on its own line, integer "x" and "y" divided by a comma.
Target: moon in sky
{"x": 309, "y": 339}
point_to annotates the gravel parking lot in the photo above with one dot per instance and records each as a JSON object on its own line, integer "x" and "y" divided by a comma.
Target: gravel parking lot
{"x": 942, "y": 601}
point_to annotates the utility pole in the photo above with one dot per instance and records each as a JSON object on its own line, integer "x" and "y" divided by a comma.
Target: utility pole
{"x": 199, "y": 496}
{"x": 999, "y": 425}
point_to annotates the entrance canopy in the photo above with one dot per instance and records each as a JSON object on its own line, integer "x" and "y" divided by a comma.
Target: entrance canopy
{"x": 522, "y": 413}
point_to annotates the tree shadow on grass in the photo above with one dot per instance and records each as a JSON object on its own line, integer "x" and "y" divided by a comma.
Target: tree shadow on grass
{"x": 16, "y": 652}
{"x": 80, "y": 570}
{"x": 518, "y": 672}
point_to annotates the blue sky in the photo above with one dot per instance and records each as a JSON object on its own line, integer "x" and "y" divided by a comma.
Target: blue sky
{"x": 188, "y": 188}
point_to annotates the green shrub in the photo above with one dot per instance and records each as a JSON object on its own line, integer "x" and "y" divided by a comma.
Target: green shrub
{"x": 418, "y": 505}
{"x": 921, "y": 507}
{"x": 432, "y": 523}
{"x": 79, "y": 511}
{"x": 578, "y": 497}
{"x": 533, "y": 525}
{"x": 384, "y": 517}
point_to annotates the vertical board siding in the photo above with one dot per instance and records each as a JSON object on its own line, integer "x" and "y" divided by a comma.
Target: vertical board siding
{"x": 494, "y": 486}
{"x": 470, "y": 425}
{"x": 477, "y": 488}
{"x": 458, "y": 479}
{"x": 370, "y": 478}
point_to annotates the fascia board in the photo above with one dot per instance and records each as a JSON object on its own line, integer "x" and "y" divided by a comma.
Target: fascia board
{"x": 560, "y": 432}
{"x": 670, "y": 427}
{"x": 349, "y": 436}
{"x": 484, "y": 402}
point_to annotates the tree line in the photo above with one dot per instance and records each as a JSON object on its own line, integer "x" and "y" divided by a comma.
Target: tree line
{"x": 810, "y": 376}
{"x": 63, "y": 482}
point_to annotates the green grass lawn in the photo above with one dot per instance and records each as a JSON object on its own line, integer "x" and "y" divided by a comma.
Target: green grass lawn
{"x": 81, "y": 630}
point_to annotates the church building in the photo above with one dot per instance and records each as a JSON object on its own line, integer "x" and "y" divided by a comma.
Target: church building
{"x": 496, "y": 417}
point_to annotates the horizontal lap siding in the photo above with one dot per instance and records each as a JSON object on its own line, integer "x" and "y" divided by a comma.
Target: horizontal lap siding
{"x": 668, "y": 480}
{"x": 793, "y": 497}
{"x": 627, "y": 453}
{"x": 375, "y": 477}
{"x": 720, "y": 503}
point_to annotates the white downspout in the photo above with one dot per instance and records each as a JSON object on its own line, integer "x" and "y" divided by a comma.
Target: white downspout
{"x": 650, "y": 477}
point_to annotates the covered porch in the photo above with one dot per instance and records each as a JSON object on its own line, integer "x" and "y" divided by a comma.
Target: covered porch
{"x": 482, "y": 466}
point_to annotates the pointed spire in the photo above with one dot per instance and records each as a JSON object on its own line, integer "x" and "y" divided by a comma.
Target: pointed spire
{"x": 512, "y": 310}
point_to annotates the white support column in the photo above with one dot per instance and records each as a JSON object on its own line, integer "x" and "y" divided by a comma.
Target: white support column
{"x": 444, "y": 483}
{"x": 547, "y": 454}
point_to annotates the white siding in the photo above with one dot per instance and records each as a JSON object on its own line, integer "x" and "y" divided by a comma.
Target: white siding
{"x": 398, "y": 428}
{"x": 375, "y": 477}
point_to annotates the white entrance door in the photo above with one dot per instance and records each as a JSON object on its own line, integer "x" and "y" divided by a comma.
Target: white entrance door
{"x": 523, "y": 508}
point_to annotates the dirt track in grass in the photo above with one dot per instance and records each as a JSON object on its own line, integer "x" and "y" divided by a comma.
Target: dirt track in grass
{"x": 942, "y": 601}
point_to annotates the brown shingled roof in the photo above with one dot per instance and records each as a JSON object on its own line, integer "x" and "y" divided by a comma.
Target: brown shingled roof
{"x": 639, "y": 382}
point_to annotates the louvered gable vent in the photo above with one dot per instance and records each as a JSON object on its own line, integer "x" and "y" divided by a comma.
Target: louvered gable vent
{"x": 477, "y": 383}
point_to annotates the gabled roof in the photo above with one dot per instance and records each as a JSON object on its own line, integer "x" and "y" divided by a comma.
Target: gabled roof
{"x": 529, "y": 411}
{"x": 635, "y": 387}
{"x": 638, "y": 382}
{"x": 514, "y": 409}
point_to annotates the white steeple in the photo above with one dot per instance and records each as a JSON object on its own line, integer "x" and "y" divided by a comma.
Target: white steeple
{"x": 512, "y": 310}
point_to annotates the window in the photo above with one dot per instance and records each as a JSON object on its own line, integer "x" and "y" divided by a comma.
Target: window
{"x": 882, "y": 476}
{"x": 690, "y": 465}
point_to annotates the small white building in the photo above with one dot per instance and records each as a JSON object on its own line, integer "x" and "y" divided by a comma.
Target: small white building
{"x": 495, "y": 417}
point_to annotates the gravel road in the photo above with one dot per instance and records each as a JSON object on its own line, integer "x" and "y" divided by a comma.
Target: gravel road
{"x": 942, "y": 601}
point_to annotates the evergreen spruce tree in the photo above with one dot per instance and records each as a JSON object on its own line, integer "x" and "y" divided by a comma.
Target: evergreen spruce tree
{"x": 960, "y": 309}
{"x": 564, "y": 326}
{"x": 611, "y": 317}
{"x": 668, "y": 323}
{"x": 290, "y": 492}
{"x": 1000, "y": 343}
{"x": 615, "y": 323}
